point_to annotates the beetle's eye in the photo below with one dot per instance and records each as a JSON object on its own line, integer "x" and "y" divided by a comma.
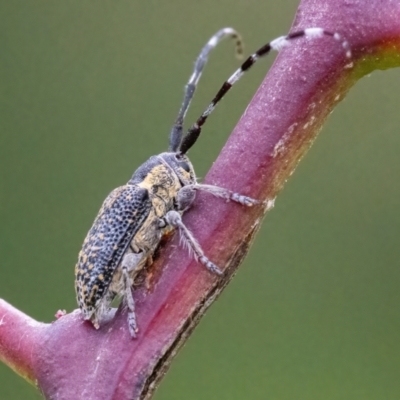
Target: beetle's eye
{"x": 184, "y": 165}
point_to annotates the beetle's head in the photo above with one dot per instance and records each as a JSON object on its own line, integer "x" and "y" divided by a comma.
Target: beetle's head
{"x": 181, "y": 165}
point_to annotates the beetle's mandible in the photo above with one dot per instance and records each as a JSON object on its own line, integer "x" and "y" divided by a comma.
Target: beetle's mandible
{"x": 133, "y": 217}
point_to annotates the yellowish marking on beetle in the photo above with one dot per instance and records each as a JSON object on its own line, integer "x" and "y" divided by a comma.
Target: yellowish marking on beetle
{"x": 159, "y": 176}
{"x": 163, "y": 187}
{"x": 93, "y": 292}
{"x": 185, "y": 174}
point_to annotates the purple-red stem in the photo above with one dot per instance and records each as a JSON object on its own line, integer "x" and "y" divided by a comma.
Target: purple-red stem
{"x": 68, "y": 359}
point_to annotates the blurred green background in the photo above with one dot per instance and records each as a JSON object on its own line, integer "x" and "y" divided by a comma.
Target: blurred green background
{"x": 89, "y": 89}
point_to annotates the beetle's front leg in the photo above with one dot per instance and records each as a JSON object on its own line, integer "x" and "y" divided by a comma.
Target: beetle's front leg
{"x": 186, "y": 196}
{"x": 189, "y": 192}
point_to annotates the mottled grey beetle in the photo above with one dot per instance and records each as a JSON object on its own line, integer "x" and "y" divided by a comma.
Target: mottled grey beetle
{"x": 133, "y": 217}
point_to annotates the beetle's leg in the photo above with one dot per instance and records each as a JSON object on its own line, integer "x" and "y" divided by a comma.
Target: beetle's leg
{"x": 186, "y": 196}
{"x": 174, "y": 219}
{"x": 95, "y": 320}
{"x": 129, "y": 264}
{"x": 218, "y": 192}
{"x": 98, "y": 315}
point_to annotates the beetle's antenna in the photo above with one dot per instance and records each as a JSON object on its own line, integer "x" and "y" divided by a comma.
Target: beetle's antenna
{"x": 176, "y": 132}
{"x": 277, "y": 44}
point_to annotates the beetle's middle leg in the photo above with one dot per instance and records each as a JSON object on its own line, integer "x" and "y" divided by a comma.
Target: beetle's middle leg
{"x": 174, "y": 219}
{"x": 130, "y": 262}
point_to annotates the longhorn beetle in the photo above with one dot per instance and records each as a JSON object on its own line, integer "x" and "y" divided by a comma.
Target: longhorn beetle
{"x": 133, "y": 217}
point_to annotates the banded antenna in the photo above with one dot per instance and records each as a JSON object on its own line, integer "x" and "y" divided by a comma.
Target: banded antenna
{"x": 277, "y": 44}
{"x": 176, "y": 132}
